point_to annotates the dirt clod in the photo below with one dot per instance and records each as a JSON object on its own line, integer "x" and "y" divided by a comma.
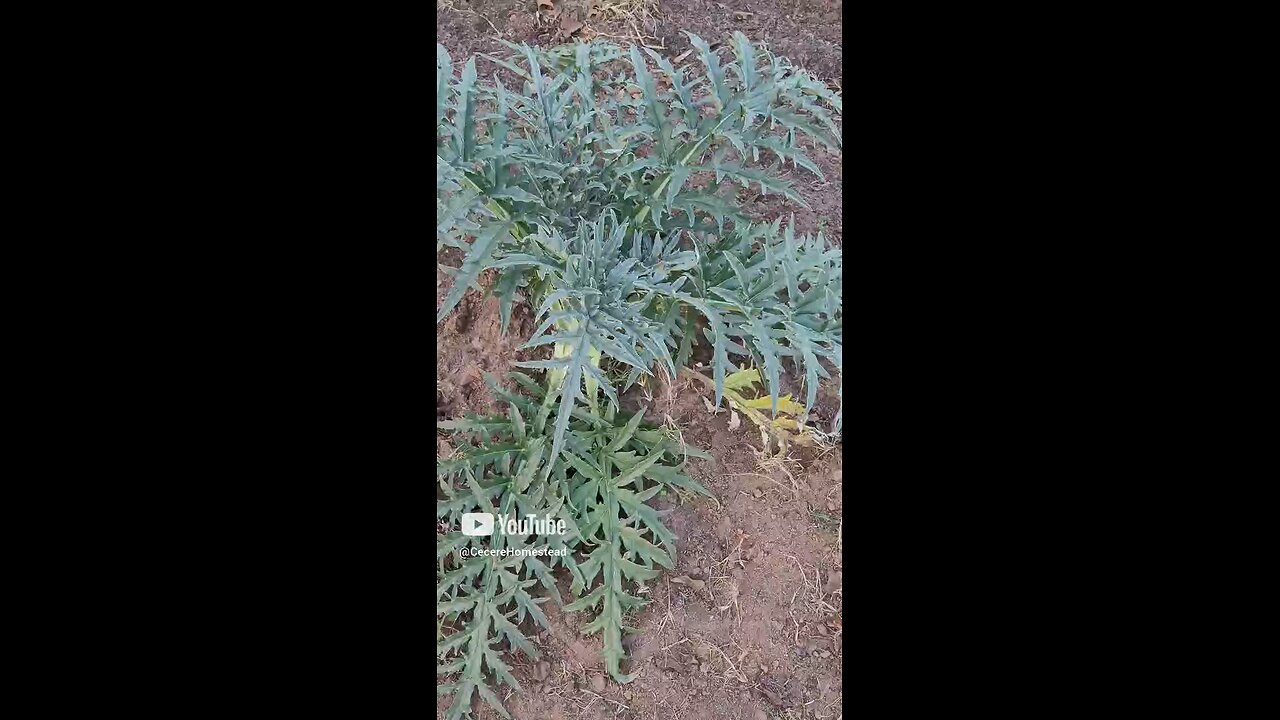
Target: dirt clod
{"x": 771, "y": 696}
{"x": 833, "y": 583}
{"x": 597, "y": 683}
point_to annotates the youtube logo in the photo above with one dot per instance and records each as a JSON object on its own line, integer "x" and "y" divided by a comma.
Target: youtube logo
{"x": 477, "y": 524}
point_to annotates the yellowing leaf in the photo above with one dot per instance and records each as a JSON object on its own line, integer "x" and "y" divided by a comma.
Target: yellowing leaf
{"x": 785, "y": 405}
{"x": 742, "y": 379}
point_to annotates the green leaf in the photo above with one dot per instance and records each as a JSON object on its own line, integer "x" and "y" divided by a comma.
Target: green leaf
{"x": 515, "y": 193}
{"x": 715, "y": 74}
{"x": 444, "y": 73}
{"x": 653, "y": 106}
{"x": 465, "y": 118}
{"x": 481, "y": 250}
{"x": 746, "y": 60}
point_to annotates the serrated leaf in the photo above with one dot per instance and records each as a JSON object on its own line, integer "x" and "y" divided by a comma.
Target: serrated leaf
{"x": 481, "y": 250}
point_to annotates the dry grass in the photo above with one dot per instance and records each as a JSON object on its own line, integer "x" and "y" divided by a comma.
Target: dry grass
{"x": 627, "y": 10}
{"x": 639, "y": 17}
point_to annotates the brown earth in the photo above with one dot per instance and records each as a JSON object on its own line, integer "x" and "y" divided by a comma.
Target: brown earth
{"x": 469, "y": 343}
{"x": 761, "y": 638}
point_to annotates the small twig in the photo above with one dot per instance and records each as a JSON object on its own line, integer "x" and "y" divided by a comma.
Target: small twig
{"x": 495, "y": 28}
{"x": 621, "y": 707}
{"x": 667, "y": 616}
{"x": 731, "y": 553}
{"x": 674, "y": 644}
{"x": 619, "y": 37}
{"x": 733, "y": 667}
{"x": 795, "y": 494}
{"x": 804, "y": 578}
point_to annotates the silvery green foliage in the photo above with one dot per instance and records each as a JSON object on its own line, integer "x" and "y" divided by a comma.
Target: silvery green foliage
{"x": 624, "y": 539}
{"x": 483, "y": 600}
{"x": 601, "y": 283}
{"x": 613, "y": 464}
{"x": 573, "y": 147}
{"x": 768, "y": 295}
{"x": 603, "y": 190}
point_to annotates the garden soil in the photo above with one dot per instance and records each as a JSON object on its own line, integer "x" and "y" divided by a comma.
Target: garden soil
{"x": 748, "y": 626}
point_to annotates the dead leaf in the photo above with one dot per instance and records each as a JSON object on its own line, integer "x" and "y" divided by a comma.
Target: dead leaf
{"x": 570, "y": 25}
{"x": 686, "y": 580}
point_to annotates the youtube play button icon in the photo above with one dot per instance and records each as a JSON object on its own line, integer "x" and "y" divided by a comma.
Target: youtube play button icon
{"x": 477, "y": 524}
